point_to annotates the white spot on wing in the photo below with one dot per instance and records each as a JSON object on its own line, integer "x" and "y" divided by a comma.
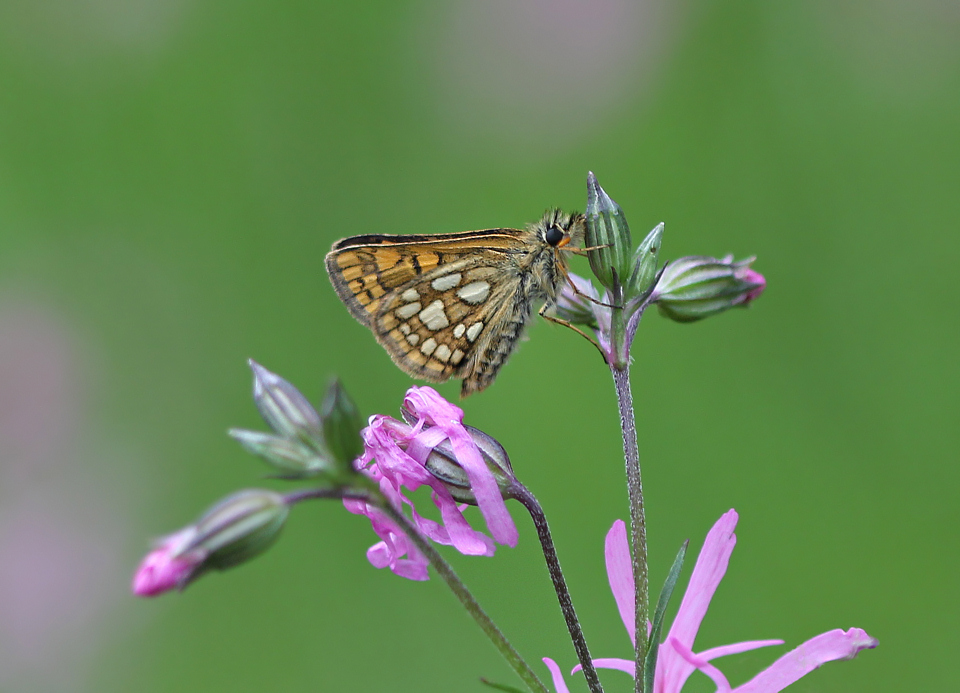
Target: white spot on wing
{"x": 413, "y": 338}
{"x": 474, "y": 292}
{"x": 428, "y": 346}
{"x": 447, "y": 281}
{"x": 474, "y": 331}
{"x": 410, "y": 295}
{"x": 457, "y": 357}
{"x": 459, "y": 330}
{"x": 433, "y": 316}
{"x": 408, "y": 311}
{"x": 442, "y": 353}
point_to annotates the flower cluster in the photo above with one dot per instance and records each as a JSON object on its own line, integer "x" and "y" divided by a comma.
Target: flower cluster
{"x": 399, "y": 456}
{"x": 376, "y": 470}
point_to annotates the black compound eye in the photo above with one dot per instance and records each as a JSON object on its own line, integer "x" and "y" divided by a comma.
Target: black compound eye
{"x": 554, "y": 235}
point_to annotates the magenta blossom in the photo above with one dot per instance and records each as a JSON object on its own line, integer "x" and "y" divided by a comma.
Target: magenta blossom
{"x": 168, "y": 566}
{"x": 395, "y": 454}
{"x": 676, "y": 659}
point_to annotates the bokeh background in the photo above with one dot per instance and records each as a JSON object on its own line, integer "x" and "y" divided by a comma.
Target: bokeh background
{"x": 173, "y": 171}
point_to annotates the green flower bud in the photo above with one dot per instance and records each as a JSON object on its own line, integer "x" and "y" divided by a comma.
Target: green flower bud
{"x": 239, "y": 527}
{"x": 645, "y": 263}
{"x": 607, "y": 227}
{"x": 291, "y": 457}
{"x": 283, "y": 407}
{"x": 696, "y": 287}
{"x": 341, "y": 425}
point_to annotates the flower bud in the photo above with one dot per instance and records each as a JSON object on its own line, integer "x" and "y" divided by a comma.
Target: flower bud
{"x": 696, "y": 287}
{"x": 231, "y": 532}
{"x": 283, "y": 407}
{"x": 575, "y": 306}
{"x": 607, "y": 227}
{"x": 645, "y": 263}
{"x": 442, "y": 463}
{"x": 290, "y": 457}
{"x": 341, "y": 425}
{"x": 240, "y": 527}
{"x": 168, "y": 566}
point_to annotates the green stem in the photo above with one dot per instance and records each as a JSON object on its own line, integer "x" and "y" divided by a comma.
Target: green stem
{"x": 445, "y": 571}
{"x": 560, "y": 586}
{"x": 638, "y": 526}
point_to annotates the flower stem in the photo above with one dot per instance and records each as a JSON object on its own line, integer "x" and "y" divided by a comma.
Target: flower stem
{"x": 560, "y": 586}
{"x": 638, "y": 527}
{"x": 445, "y": 571}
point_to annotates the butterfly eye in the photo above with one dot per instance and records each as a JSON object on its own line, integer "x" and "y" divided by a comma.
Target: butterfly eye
{"x": 554, "y": 235}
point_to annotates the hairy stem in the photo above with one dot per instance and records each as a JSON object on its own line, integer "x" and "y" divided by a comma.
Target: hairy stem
{"x": 445, "y": 571}
{"x": 560, "y": 586}
{"x": 638, "y": 526}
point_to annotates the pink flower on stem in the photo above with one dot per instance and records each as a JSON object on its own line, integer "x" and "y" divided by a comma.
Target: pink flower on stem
{"x": 395, "y": 455}
{"x": 676, "y": 659}
{"x": 167, "y": 567}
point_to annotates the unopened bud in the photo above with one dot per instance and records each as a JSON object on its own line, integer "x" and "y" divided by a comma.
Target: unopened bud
{"x": 443, "y": 464}
{"x": 231, "y": 532}
{"x": 696, "y": 287}
{"x": 290, "y": 457}
{"x": 576, "y": 301}
{"x": 283, "y": 407}
{"x": 341, "y": 425}
{"x": 607, "y": 231}
{"x": 240, "y": 527}
{"x": 645, "y": 263}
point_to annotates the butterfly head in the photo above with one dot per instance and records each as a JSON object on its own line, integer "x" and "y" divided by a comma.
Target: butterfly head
{"x": 558, "y": 230}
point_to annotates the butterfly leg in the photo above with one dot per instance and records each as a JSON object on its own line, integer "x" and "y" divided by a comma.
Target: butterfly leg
{"x": 566, "y": 323}
{"x": 583, "y": 295}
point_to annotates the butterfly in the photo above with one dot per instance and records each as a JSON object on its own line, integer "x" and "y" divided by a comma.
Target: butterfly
{"x": 454, "y": 305}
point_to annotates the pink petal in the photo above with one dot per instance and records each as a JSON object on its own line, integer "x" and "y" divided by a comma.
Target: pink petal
{"x": 555, "y": 672}
{"x": 616, "y": 550}
{"x": 723, "y": 686}
{"x": 736, "y": 648}
{"x": 426, "y": 403}
{"x": 625, "y": 665}
{"x": 826, "y": 647}
{"x": 167, "y": 566}
{"x": 485, "y": 488}
{"x": 672, "y": 669}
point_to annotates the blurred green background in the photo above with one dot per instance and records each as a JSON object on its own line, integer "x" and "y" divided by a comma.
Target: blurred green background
{"x": 173, "y": 171}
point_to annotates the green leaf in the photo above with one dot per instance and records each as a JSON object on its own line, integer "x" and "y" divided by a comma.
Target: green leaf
{"x": 650, "y": 663}
{"x": 501, "y": 687}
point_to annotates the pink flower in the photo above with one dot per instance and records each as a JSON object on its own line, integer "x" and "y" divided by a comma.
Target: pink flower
{"x": 676, "y": 659}
{"x": 395, "y": 454}
{"x": 167, "y": 567}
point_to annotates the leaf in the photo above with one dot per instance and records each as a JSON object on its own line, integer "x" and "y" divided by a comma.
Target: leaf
{"x": 501, "y": 686}
{"x": 650, "y": 663}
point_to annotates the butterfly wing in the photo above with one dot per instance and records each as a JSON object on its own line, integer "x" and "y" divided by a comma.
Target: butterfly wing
{"x": 434, "y": 302}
